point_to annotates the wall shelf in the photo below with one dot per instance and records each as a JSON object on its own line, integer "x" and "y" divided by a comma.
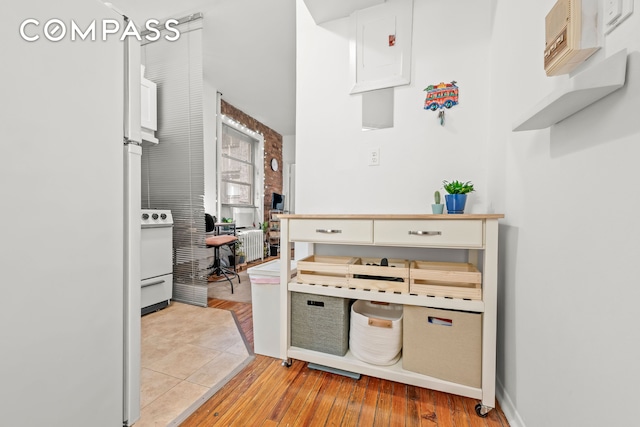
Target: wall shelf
{"x": 578, "y": 92}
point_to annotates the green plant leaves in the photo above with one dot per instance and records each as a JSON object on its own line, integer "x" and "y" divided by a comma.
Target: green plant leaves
{"x": 458, "y": 187}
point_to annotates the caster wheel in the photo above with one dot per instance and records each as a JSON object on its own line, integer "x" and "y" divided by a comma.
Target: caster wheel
{"x": 481, "y": 411}
{"x": 286, "y": 363}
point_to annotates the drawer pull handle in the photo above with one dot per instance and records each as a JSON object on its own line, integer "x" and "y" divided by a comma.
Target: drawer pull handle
{"x": 426, "y": 233}
{"x": 155, "y": 282}
{"x": 380, "y": 323}
{"x": 328, "y": 231}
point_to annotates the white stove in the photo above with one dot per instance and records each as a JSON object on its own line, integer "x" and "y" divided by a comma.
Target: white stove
{"x": 156, "y": 259}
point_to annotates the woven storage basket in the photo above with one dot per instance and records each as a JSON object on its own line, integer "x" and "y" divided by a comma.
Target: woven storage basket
{"x": 320, "y": 323}
{"x": 376, "y": 332}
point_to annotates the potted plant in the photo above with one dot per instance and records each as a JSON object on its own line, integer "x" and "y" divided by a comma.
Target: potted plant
{"x": 226, "y": 221}
{"x": 240, "y": 255}
{"x": 457, "y": 197}
{"x": 437, "y": 207}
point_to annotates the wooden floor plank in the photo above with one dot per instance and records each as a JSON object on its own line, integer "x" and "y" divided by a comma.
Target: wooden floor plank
{"x": 428, "y": 417}
{"x": 493, "y": 419}
{"x": 294, "y": 389}
{"x": 266, "y": 394}
{"x": 339, "y": 407}
{"x": 398, "y": 405}
{"x": 323, "y": 401}
{"x": 303, "y": 417}
{"x": 474, "y": 420}
{"x": 354, "y": 405}
{"x": 305, "y": 393}
{"x": 234, "y": 401}
{"x": 383, "y": 405}
{"x": 443, "y": 411}
{"x": 368, "y": 411}
{"x": 256, "y": 393}
{"x": 412, "y": 418}
{"x": 268, "y": 397}
{"x": 503, "y": 420}
{"x": 459, "y": 413}
{"x": 228, "y": 395}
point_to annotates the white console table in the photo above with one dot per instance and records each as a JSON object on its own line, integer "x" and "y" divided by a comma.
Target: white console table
{"x": 470, "y": 232}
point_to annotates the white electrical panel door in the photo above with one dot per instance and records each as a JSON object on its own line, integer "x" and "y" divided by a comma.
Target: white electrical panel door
{"x": 381, "y": 46}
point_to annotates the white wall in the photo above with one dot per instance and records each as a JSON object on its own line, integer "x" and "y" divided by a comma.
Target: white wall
{"x": 332, "y": 169}
{"x": 567, "y": 347}
{"x": 288, "y": 149}
{"x": 568, "y": 324}
{"x": 288, "y": 175}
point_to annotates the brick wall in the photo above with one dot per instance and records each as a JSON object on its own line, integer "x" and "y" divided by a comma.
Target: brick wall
{"x": 272, "y": 149}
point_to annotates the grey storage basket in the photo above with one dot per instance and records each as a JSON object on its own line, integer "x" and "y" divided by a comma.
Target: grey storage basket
{"x": 320, "y": 323}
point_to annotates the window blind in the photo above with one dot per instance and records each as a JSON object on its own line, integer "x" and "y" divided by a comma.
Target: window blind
{"x": 237, "y": 161}
{"x": 173, "y": 170}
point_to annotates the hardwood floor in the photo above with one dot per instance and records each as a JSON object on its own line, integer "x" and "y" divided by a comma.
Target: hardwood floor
{"x": 267, "y": 394}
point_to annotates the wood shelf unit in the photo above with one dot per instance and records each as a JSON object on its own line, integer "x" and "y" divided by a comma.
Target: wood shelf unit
{"x": 390, "y": 297}
{"x": 458, "y": 232}
{"x": 273, "y": 232}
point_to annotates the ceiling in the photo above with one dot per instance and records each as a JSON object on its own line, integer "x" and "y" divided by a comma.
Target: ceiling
{"x": 328, "y": 10}
{"x": 249, "y": 51}
{"x": 249, "y": 48}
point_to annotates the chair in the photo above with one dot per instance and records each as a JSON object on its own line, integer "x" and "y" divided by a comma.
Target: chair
{"x": 217, "y": 241}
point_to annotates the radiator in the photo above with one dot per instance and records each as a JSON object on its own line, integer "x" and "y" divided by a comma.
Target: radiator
{"x": 252, "y": 244}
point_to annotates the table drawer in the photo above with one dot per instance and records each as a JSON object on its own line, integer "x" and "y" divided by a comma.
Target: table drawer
{"x": 432, "y": 233}
{"x": 331, "y": 231}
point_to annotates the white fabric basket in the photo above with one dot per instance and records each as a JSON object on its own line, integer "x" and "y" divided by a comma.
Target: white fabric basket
{"x": 376, "y": 332}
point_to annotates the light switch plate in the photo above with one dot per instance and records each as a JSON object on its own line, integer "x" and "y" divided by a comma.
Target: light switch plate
{"x": 612, "y": 11}
{"x": 610, "y": 8}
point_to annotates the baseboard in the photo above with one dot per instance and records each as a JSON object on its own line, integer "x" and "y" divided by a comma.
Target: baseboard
{"x": 507, "y": 406}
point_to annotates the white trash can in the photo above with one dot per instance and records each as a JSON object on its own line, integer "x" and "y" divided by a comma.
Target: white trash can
{"x": 265, "y": 299}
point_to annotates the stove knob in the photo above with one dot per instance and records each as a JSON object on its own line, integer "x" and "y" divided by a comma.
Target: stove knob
{"x": 163, "y": 216}
{"x": 154, "y": 216}
{"x": 145, "y": 216}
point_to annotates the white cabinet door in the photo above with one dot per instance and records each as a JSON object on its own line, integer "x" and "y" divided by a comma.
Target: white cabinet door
{"x": 148, "y": 104}
{"x": 148, "y": 108}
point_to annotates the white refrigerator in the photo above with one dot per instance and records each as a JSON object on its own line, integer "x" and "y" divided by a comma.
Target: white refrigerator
{"x": 69, "y": 221}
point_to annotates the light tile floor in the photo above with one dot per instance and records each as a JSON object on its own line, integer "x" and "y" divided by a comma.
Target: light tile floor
{"x": 188, "y": 353}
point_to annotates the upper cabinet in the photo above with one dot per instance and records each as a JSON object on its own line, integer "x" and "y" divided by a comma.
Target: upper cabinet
{"x": 149, "y": 109}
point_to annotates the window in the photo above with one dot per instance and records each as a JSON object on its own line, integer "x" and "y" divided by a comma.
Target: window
{"x": 238, "y": 152}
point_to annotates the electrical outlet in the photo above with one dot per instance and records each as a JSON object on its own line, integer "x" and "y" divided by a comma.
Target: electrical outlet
{"x": 374, "y": 157}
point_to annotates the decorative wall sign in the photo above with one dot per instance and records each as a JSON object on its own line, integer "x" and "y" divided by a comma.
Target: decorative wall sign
{"x": 443, "y": 95}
